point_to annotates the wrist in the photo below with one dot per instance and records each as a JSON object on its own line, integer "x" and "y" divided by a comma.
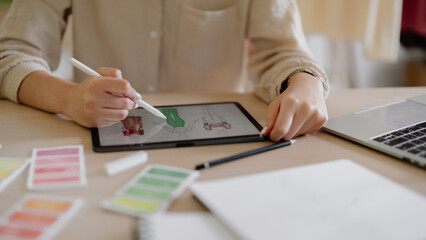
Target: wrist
{"x": 44, "y": 91}
{"x": 68, "y": 93}
{"x": 306, "y": 80}
{"x": 304, "y": 84}
{"x": 303, "y": 70}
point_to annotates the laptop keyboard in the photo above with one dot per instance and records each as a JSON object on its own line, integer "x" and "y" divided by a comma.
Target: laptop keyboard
{"x": 410, "y": 139}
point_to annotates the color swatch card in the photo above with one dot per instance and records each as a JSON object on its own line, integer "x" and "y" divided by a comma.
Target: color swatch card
{"x": 37, "y": 217}
{"x": 152, "y": 190}
{"x": 10, "y": 168}
{"x": 57, "y": 168}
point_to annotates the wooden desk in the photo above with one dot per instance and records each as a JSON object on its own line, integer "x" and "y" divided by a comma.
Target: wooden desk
{"x": 23, "y": 128}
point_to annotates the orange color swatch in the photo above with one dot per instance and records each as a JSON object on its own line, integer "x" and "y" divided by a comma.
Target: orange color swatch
{"x": 58, "y": 206}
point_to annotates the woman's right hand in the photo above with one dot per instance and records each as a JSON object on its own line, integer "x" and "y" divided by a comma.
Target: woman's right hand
{"x": 100, "y": 101}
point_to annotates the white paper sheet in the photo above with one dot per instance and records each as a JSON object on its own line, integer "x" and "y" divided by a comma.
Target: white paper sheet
{"x": 183, "y": 226}
{"x": 332, "y": 200}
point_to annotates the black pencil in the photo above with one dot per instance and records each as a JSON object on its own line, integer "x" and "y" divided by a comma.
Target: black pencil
{"x": 244, "y": 154}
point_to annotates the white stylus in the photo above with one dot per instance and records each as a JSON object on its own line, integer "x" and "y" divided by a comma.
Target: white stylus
{"x": 139, "y": 100}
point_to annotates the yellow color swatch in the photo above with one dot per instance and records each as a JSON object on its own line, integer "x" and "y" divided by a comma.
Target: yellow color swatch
{"x": 10, "y": 164}
{"x": 135, "y": 204}
{"x": 4, "y": 174}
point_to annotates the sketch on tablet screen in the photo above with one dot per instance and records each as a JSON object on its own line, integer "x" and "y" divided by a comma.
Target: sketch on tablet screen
{"x": 212, "y": 120}
{"x": 173, "y": 118}
{"x": 177, "y": 123}
{"x": 132, "y": 125}
{"x": 215, "y": 122}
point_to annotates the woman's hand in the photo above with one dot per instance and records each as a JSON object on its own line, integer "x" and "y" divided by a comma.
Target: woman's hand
{"x": 300, "y": 109}
{"x": 100, "y": 101}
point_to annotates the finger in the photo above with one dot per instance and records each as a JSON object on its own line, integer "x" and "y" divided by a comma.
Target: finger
{"x": 113, "y": 115}
{"x": 112, "y": 101}
{"x": 316, "y": 120}
{"x": 273, "y": 111}
{"x": 316, "y": 126}
{"x": 294, "y": 128}
{"x": 284, "y": 120}
{"x": 309, "y": 123}
{"x": 103, "y": 117}
{"x": 117, "y": 87}
{"x": 110, "y": 72}
{"x": 301, "y": 116}
{"x": 105, "y": 123}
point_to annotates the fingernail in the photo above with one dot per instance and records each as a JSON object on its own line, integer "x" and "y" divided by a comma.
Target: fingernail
{"x": 136, "y": 106}
{"x": 263, "y": 131}
{"x": 118, "y": 74}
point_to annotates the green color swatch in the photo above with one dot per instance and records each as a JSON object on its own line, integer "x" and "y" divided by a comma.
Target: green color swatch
{"x": 158, "y": 182}
{"x": 168, "y": 173}
{"x": 147, "y": 193}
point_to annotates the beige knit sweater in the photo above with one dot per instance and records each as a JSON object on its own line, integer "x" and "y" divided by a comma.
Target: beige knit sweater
{"x": 160, "y": 45}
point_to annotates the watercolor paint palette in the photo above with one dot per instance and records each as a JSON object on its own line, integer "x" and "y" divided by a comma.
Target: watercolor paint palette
{"x": 10, "y": 168}
{"x": 152, "y": 190}
{"x": 37, "y": 217}
{"x": 57, "y": 168}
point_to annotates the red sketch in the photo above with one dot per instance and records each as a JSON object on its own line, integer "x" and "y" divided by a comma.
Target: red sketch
{"x": 133, "y": 125}
{"x": 209, "y": 126}
{"x": 212, "y": 120}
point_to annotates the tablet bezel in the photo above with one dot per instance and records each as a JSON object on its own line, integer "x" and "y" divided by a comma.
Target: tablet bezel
{"x": 183, "y": 143}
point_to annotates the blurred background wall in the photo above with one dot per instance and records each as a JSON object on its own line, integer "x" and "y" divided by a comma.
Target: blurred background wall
{"x": 368, "y": 43}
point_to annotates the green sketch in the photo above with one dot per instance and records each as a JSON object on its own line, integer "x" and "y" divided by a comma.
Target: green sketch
{"x": 173, "y": 118}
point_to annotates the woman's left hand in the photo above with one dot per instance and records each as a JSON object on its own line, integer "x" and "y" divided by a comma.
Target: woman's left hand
{"x": 300, "y": 109}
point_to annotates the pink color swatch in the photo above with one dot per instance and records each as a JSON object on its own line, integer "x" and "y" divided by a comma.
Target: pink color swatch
{"x": 57, "y": 168}
{"x": 57, "y": 160}
{"x": 57, "y": 180}
{"x": 54, "y": 152}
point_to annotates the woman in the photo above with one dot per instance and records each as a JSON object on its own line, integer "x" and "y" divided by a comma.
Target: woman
{"x": 163, "y": 46}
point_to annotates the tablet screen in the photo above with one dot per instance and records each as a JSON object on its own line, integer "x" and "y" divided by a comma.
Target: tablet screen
{"x": 186, "y": 125}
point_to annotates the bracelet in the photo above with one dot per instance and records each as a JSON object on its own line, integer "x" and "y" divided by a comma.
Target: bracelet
{"x": 309, "y": 71}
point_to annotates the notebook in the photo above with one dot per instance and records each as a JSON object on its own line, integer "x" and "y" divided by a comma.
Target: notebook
{"x": 332, "y": 200}
{"x": 397, "y": 129}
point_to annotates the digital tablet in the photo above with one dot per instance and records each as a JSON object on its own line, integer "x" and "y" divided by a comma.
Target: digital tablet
{"x": 186, "y": 125}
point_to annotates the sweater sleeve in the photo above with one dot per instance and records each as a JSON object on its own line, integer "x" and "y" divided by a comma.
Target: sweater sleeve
{"x": 30, "y": 40}
{"x": 280, "y": 47}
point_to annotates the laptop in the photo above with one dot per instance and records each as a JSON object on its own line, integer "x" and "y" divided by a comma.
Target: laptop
{"x": 397, "y": 129}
